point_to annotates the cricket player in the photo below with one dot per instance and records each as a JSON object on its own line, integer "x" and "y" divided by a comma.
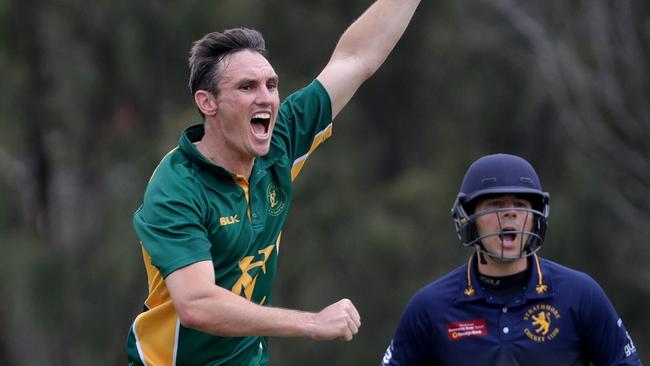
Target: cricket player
{"x": 213, "y": 211}
{"x": 506, "y": 305}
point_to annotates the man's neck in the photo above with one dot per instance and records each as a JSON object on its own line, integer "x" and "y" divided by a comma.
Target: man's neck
{"x": 224, "y": 157}
{"x": 505, "y": 287}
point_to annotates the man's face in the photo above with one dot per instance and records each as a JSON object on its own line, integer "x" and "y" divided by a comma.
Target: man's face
{"x": 507, "y": 225}
{"x": 247, "y": 104}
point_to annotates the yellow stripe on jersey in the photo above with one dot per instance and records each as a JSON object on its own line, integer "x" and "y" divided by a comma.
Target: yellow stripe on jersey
{"x": 541, "y": 287}
{"x": 243, "y": 183}
{"x": 156, "y": 330}
{"x": 318, "y": 139}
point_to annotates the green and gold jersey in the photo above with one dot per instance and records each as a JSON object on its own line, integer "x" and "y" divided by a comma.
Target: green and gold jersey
{"x": 194, "y": 211}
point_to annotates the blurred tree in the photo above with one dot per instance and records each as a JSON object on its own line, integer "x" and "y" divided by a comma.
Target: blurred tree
{"x": 593, "y": 58}
{"x": 88, "y": 83}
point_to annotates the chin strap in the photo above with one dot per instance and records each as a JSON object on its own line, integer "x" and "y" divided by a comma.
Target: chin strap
{"x": 481, "y": 257}
{"x": 480, "y": 251}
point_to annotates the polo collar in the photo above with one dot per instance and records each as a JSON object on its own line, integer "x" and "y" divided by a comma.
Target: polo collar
{"x": 195, "y": 133}
{"x": 539, "y": 283}
{"x": 186, "y": 146}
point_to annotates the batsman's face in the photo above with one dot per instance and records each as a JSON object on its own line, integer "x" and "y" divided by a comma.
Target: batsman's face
{"x": 247, "y": 104}
{"x": 502, "y": 222}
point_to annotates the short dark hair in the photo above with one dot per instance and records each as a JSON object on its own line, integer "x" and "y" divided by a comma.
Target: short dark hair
{"x": 207, "y": 53}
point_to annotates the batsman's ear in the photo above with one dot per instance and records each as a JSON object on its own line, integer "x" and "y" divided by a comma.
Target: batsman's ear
{"x": 206, "y": 102}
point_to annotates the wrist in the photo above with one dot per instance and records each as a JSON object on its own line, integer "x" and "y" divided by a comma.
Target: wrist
{"x": 308, "y": 325}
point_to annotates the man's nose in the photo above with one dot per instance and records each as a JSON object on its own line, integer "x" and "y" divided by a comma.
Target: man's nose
{"x": 510, "y": 211}
{"x": 263, "y": 96}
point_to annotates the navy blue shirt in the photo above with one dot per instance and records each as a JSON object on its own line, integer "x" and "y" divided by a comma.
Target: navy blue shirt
{"x": 561, "y": 317}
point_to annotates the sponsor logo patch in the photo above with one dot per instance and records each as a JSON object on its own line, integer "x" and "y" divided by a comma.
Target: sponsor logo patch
{"x": 466, "y": 329}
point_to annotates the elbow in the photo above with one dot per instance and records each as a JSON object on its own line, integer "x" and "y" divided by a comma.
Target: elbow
{"x": 366, "y": 67}
{"x": 193, "y": 316}
{"x": 189, "y": 316}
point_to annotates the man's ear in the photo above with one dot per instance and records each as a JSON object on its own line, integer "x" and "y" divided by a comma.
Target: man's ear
{"x": 206, "y": 102}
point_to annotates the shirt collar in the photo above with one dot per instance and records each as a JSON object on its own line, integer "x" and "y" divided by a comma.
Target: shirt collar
{"x": 539, "y": 284}
{"x": 186, "y": 146}
{"x": 194, "y": 134}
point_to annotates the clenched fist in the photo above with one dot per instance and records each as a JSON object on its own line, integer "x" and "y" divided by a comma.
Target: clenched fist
{"x": 340, "y": 320}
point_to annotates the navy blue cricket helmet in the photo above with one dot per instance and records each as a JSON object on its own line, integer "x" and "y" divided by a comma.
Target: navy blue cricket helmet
{"x": 494, "y": 175}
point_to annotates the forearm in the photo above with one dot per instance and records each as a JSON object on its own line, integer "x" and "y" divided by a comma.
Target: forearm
{"x": 202, "y": 305}
{"x": 220, "y": 312}
{"x": 363, "y": 47}
{"x": 374, "y": 34}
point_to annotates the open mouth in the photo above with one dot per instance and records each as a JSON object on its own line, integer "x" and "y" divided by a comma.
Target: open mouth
{"x": 260, "y": 124}
{"x": 508, "y": 234}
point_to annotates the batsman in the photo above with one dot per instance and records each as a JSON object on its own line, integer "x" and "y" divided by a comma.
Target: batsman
{"x": 507, "y": 305}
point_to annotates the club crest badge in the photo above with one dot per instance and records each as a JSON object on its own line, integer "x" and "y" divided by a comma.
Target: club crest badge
{"x": 277, "y": 199}
{"x": 542, "y": 323}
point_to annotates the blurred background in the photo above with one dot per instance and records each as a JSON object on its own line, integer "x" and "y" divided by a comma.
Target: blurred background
{"x": 93, "y": 94}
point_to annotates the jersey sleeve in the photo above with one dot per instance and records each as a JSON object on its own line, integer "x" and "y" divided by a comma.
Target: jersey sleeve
{"x": 411, "y": 343}
{"x": 607, "y": 342}
{"x": 168, "y": 224}
{"x": 304, "y": 121}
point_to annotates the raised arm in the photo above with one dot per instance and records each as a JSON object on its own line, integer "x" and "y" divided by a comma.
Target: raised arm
{"x": 363, "y": 47}
{"x": 202, "y": 305}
